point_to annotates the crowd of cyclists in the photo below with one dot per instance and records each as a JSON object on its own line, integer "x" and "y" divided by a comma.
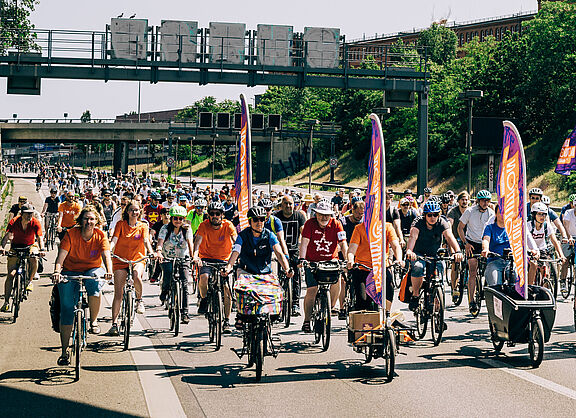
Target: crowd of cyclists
{"x": 131, "y": 216}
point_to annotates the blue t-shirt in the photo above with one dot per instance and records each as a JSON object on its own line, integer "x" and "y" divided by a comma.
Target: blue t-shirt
{"x": 564, "y": 209}
{"x": 277, "y": 225}
{"x": 498, "y": 239}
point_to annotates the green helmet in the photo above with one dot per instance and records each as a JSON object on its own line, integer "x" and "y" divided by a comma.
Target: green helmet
{"x": 484, "y": 194}
{"x": 178, "y": 211}
{"x": 572, "y": 197}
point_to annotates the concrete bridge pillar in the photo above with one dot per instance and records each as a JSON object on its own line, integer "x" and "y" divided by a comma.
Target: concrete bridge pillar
{"x": 262, "y": 163}
{"x": 120, "y": 157}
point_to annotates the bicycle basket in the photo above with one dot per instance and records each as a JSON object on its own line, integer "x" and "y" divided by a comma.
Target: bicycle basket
{"x": 327, "y": 272}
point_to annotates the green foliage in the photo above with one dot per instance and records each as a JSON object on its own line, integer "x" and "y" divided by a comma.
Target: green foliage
{"x": 15, "y": 27}
{"x": 440, "y": 42}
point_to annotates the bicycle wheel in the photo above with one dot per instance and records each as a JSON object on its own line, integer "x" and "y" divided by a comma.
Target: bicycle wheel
{"x": 16, "y": 296}
{"x": 421, "y": 315}
{"x": 437, "y": 323}
{"x": 389, "y": 354}
{"x": 176, "y": 308}
{"x": 478, "y": 295}
{"x": 536, "y": 342}
{"x": 461, "y": 275}
{"x": 77, "y": 343}
{"x": 316, "y": 319}
{"x": 287, "y": 302}
{"x": 171, "y": 307}
{"x": 127, "y": 317}
{"x": 496, "y": 342}
{"x": 249, "y": 342}
{"x": 326, "y": 320}
{"x": 554, "y": 279}
{"x": 194, "y": 283}
{"x": 217, "y": 318}
{"x": 259, "y": 351}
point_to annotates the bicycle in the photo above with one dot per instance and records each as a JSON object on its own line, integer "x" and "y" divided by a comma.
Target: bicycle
{"x": 80, "y": 325}
{"x": 546, "y": 275}
{"x": 287, "y": 301}
{"x": 566, "y": 284}
{"x": 257, "y": 341}
{"x": 127, "y": 309}
{"x": 431, "y": 299}
{"x": 175, "y": 294}
{"x": 215, "y": 297}
{"x": 326, "y": 274}
{"x": 349, "y": 297}
{"x": 20, "y": 279}
{"x": 51, "y": 233}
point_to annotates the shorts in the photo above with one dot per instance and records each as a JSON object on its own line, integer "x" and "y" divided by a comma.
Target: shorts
{"x": 418, "y": 268}
{"x": 477, "y": 246}
{"x": 12, "y": 262}
{"x": 310, "y": 277}
{"x": 208, "y": 270}
{"x": 70, "y": 292}
{"x": 567, "y": 249}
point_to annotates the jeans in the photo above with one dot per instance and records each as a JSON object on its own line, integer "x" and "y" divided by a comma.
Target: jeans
{"x": 70, "y": 292}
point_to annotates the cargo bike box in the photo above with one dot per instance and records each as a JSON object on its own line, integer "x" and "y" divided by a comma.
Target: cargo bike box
{"x": 258, "y": 294}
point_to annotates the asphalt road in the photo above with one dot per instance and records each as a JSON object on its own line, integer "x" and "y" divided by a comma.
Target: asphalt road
{"x": 166, "y": 376}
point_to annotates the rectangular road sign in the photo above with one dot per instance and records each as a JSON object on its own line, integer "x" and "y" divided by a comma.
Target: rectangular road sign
{"x": 172, "y": 32}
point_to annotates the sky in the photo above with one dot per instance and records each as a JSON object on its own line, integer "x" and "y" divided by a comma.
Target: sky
{"x": 106, "y": 100}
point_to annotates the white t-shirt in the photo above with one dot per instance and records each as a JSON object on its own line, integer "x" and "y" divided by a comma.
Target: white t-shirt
{"x": 539, "y": 235}
{"x": 570, "y": 220}
{"x": 476, "y": 221}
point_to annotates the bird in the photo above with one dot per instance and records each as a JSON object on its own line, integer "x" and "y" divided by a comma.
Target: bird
{"x": 121, "y": 14}
{"x": 133, "y": 16}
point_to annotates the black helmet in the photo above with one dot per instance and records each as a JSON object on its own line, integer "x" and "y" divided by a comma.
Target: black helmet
{"x": 266, "y": 203}
{"x": 445, "y": 198}
{"x": 256, "y": 212}
{"x": 216, "y": 206}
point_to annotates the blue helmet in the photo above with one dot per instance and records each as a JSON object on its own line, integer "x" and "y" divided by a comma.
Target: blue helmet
{"x": 431, "y": 206}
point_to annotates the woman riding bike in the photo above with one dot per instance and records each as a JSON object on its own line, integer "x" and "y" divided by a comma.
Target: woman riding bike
{"x": 130, "y": 241}
{"x": 175, "y": 240}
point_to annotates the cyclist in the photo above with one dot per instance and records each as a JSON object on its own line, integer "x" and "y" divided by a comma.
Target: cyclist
{"x": 568, "y": 206}
{"x": 82, "y": 251}
{"x": 170, "y": 202}
{"x": 131, "y": 240}
{"x": 254, "y": 246}
{"x": 213, "y": 243}
{"x": 539, "y": 229}
{"x": 445, "y": 204}
{"x": 152, "y": 209}
{"x": 175, "y": 240}
{"x": 454, "y": 216}
{"x": 196, "y": 216}
{"x": 50, "y": 208}
{"x": 117, "y": 216}
{"x": 293, "y": 222}
{"x": 393, "y": 216}
{"x": 230, "y": 208}
{"x": 474, "y": 219}
{"x": 67, "y": 213}
{"x": 22, "y": 231}
{"x": 535, "y": 195}
{"x": 274, "y": 224}
{"x": 425, "y": 239}
{"x": 15, "y": 209}
{"x": 407, "y": 216}
{"x": 108, "y": 207}
{"x": 424, "y": 198}
{"x": 322, "y": 236}
{"x": 495, "y": 240}
{"x": 359, "y": 252}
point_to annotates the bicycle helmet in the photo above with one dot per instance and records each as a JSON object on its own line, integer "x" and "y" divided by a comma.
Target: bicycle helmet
{"x": 216, "y": 206}
{"x": 431, "y": 206}
{"x": 155, "y": 195}
{"x": 445, "y": 198}
{"x": 435, "y": 198}
{"x": 178, "y": 211}
{"x": 572, "y": 197}
{"x": 200, "y": 203}
{"x": 427, "y": 190}
{"x": 484, "y": 194}
{"x": 545, "y": 200}
{"x": 266, "y": 203}
{"x": 256, "y": 212}
{"x": 536, "y": 191}
{"x": 539, "y": 207}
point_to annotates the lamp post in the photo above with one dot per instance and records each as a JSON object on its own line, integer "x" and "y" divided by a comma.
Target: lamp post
{"x": 214, "y": 136}
{"x": 274, "y": 129}
{"x": 148, "y": 159}
{"x": 191, "y": 151}
{"x": 469, "y": 96}
{"x": 312, "y": 123}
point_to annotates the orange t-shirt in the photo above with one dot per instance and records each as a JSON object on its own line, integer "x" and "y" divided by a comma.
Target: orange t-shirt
{"x": 69, "y": 213}
{"x": 360, "y": 238}
{"x": 130, "y": 244}
{"x": 216, "y": 243}
{"x": 83, "y": 255}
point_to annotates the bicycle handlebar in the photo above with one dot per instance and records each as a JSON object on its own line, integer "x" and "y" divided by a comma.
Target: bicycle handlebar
{"x": 146, "y": 257}
{"x": 81, "y": 278}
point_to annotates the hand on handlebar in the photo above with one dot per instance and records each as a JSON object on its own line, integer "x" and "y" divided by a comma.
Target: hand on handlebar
{"x": 107, "y": 276}
{"x": 469, "y": 249}
{"x": 485, "y": 253}
{"x": 225, "y": 271}
{"x": 401, "y": 263}
{"x": 458, "y": 257}
{"x": 410, "y": 255}
{"x": 56, "y": 278}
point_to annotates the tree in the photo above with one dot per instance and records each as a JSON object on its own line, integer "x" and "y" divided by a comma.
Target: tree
{"x": 86, "y": 117}
{"x": 440, "y": 43}
{"x": 16, "y": 31}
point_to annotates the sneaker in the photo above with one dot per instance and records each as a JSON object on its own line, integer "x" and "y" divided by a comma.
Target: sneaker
{"x": 455, "y": 295}
{"x": 296, "y": 310}
{"x": 226, "y": 327}
{"x": 413, "y": 304}
{"x": 5, "y": 307}
{"x": 342, "y": 315}
{"x": 64, "y": 360}
{"x": 473, "y": 308}
{"x": 163, "y": 295}
{"x": 140, "y": 309}
{"x": 37, "y": 276}
{"x": 203, "y": 306}
{"x": 184, "y": 318}
{"x": 30, "y": 287}
{"x": 563, "y": 285}
{"x": 306, "y": 327}
{"x": 153, "y": 280}
{"x": 113, "y": 331}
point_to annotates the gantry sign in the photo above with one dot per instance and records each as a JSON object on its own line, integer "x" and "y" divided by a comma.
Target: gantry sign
{"x": 223, "y": 53}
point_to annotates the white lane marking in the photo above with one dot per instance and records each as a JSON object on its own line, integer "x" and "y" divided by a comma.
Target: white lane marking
{"x": 160, "y": 395}
{"x": 529, "y": 377}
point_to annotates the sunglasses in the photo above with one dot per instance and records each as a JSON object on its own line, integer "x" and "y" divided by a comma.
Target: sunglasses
{"x": 54, "y": 192}
{"x": 259, "y": 219}
{"x": 215, "y": 213}
{"x": 432, "y": 215}
{"x": 405, "y": 204}
{"x": 135, "y": 210}
{"x": 177, "y": 218}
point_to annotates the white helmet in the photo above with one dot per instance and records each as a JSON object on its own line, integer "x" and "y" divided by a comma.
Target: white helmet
{"x": 545, "y": 200}
{"x": 536, "y": 191}
{"x": 539, "y": 207}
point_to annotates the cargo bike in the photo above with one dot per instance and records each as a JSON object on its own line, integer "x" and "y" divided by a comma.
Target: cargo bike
{"x": 515, "y": 320}
{"x": 259, "y": 302}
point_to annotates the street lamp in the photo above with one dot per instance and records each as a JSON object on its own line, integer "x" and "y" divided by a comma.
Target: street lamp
{"x": 65, "y": 116}
{"x": 192, "y": 138}
{"x": 312, "y": 123}
{"x": 469, "y": 96}
{"x": 214, "y": 136}
{"x": 274, "y": 129}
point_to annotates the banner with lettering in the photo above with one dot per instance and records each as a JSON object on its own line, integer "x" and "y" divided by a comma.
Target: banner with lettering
{"x": 511, "y": 189}
{"x": 243, "y": 173}
{"x": 374, "y": 214}
{"x": 567, "y": 159}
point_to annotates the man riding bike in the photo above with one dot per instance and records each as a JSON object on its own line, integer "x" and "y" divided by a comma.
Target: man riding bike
{"x": 213, "y": 243}
{"x": 67, "y": 213}
{"x": 50, "y": 208}
{"x": 196, "y": 216}
{"x": 425, "y": 239}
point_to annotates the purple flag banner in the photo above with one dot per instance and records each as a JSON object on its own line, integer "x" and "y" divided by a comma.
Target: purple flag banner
{"x": 243, "y": 174}
{"x": 511, "y": 190}
{"x": 567, "y": 159}
{"x": 374, "y": 214}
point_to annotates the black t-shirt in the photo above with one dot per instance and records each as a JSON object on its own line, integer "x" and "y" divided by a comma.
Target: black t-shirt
{"x": 392, "y": 214}
{"x": 429, "y": 240}
{"x": 337, "y": 200}
{"x": 406, "y": 221}
{"x": 348, "y": 226}
{"x": 291, "y": 227}
{"x": 52, "y": 205}
{"x": 15, "y": 209}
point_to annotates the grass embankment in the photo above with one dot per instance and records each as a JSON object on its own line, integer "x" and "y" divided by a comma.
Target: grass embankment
{"x": 5, "y": 201}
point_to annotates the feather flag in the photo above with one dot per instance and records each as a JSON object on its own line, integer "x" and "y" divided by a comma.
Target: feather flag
{"x": 243, "y": 173}
{"x": 511, "y": 189}
{"x": 374, "y": 214}
{"x": 567, "y": 159}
